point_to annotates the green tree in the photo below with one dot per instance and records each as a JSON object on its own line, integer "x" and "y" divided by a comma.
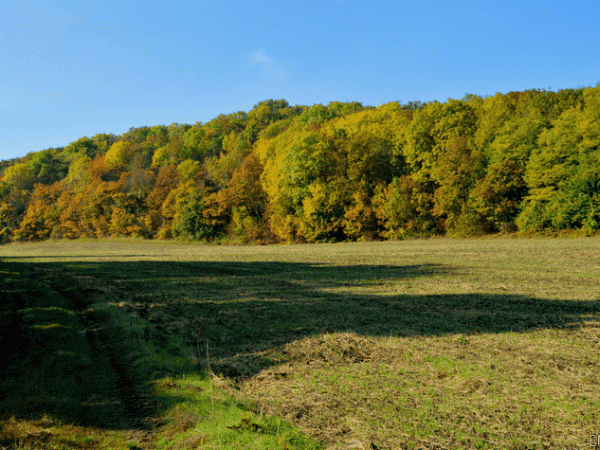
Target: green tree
{"x": 396, "y": 208}
{"x": 104, "y": 141}
{"x": 193, "y": 144}
{"x": 79, "y": 177}
{"x": 81, "y": 147}
{"x": 189, "y": 169}
{"x": 561, "y": 173}
{"x": 135, "y": 134}
{"x": 189, "y": 221}
{"x": 342, "y": 109}
{"x": 158, "y": 135}
{"x": 316, "y": 115}
{"x": 220, "y": 169}
{"x": 457, "y": 170}
{"x": 437, "y": 138}
{"x": 265, "y": 113}
{"x": 48, "y": 166}
{"x": 497, "y": 197}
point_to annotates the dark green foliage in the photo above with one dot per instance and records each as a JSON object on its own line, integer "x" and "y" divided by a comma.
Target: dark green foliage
{"x": 191, "y": 223}
{"x": 265, "y": 113}
{"x": 81, "y": 147}
{"x": 158, "y": 135}
{"x": 48, "y": 166}
{"x": 135, "y": 134}
{"x": 316, "y": 115}
{"x": 103, "y": 141}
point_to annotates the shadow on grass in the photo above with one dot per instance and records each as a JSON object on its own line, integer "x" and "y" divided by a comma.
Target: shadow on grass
{"x": 62, "y": 359}
{"x": 66, "y": 361}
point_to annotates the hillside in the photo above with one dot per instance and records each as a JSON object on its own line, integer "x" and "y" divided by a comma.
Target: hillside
{"x": 523, "y": 161}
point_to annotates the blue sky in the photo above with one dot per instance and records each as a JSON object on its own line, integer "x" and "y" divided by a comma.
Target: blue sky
{"x": 77, "y": 68}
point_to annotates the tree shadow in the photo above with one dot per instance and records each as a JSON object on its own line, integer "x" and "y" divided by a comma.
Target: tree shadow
{"x": 238, "y": 309}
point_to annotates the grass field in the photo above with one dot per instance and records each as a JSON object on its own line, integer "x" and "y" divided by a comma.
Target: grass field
{"x": 440, "y": 343}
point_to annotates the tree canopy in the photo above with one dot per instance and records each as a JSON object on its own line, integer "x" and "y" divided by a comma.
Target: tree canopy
{"x": 522, "y": 161}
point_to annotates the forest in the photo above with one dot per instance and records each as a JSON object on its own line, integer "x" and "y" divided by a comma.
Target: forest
{"x": 522, "y": 162}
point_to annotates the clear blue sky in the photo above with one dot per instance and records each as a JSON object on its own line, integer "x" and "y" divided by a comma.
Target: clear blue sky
{"x": 77, "y": 68}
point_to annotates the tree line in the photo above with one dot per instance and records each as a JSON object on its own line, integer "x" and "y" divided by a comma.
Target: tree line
{"x": 524, "y": 162}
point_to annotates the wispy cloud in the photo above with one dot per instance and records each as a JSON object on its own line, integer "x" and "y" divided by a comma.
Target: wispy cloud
{"x": 275, "y": 71}
{"x": 260, "y": 57}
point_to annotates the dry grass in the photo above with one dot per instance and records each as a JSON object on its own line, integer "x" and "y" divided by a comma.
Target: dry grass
{"x": 535, "y": 390}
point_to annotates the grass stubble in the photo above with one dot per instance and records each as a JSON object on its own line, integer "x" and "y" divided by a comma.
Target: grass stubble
{"x": 441, "y": 343}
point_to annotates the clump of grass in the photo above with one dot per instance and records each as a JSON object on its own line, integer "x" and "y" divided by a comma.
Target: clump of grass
{"x": 338, "y": 348}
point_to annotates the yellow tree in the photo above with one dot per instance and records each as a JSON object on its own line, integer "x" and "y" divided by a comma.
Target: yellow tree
{"x": 40, "y": 217}
{"x": 127, "y": 216}
{"x": 15, "y": 191}
{"x": 99, "y": 206}
{"x": 118, "y": 156}
{"x": 69, "y": 210}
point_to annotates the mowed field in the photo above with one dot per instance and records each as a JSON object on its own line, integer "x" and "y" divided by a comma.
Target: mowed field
{"x": 434, "y": 344}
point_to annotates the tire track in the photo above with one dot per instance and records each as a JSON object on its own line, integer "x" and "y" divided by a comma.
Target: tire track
{"x": 79, "y": 369}
{"x": 135, "y": 406}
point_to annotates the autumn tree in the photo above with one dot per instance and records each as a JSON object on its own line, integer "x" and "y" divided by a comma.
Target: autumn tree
{"x": 127, "y": 215}
{"x": 41, "y": 217}
{"x": 167, "y": 180}
{"x": 15, "y": 191}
